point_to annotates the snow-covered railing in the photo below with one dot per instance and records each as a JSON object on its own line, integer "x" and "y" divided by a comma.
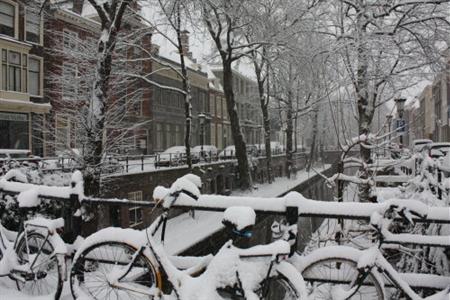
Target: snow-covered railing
{"x": 293, "y": 205}
{"x": 306, "y": 207}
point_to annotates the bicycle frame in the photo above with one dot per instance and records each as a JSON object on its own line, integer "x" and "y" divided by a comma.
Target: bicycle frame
{"x": 384, "y": 267}
{"x": 173, "y": 274}
{"x": 14, "y": 268}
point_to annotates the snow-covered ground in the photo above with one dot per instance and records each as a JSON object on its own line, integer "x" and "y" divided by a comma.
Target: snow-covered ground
{"x": 183, "y": 231}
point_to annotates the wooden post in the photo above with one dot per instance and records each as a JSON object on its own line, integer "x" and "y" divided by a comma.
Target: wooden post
{"x": 439, "y": 179}
{"x": 72, "y": 220}
{"x": 292, "y": 219}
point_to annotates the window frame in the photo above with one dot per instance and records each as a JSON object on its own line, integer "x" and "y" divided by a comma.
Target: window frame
{"x": 135, "y": 196}
{"x": 63, "y": 118}
{"x": 40, "y": 75}
{"x": 16, "y": 19}
{"x": 41, "y": 27}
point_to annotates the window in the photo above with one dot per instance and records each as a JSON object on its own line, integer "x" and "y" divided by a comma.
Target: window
{"x": 70, "y": 40}
{"x": 7, "y": 18}
{"x": 219, "y": 106}
{"x": 159, "y": 136}
{"x": 14, "y": 71}
{"x": 213, "y": 134}
{"x": 169, "y": 136}
{"x": 224, "y": 109}
{"x": 33, "y": 26}
{"x": 14, "y": 131}
{"x": 70, "y": 81}
{"x": 178, "y": 137}
{"x": 220, "y": 144}
{"x": 135, "y": 212}
{"x": 212, "y": 105}
{"x": 4, "y": 70}
{"x": 62, "y": 133}
{"x": 34, "y": 77}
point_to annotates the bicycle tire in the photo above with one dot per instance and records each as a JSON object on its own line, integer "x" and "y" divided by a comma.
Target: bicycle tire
{"x": 286, "y": 284}
{"x": 35, "y": 287}
{"x": 95, "y": 262}
{"x": 323, "y": 275}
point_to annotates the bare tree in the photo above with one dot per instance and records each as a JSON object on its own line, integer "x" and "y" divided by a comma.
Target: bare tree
{"x": 172, "y": 26}
{"x": 383, "y": 46}
{"x": 275, "y": 18}
{"x": 225, "y": 21}
{"x": 110, "y": 14}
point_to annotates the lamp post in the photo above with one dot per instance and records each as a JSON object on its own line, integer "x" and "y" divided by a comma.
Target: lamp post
{"x": 400, "y": 103}
{"x": 202, "y": 119}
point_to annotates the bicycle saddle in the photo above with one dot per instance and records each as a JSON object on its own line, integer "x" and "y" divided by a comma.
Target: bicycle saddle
{"x": 239, "y": 220}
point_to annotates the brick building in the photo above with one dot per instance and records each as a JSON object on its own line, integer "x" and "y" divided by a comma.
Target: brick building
{"x": 168, "y": 105}
{"x": 72, "y": 32}
{"x": 432, "y": 118}
{"x": 247, "y": 101}
{"x": 22, "y": 102}
{"x": 221, "y": 135}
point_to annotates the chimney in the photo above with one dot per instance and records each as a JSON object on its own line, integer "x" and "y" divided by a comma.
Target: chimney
{"x": 77, "y": 6}
{"x": 185, "y": 43}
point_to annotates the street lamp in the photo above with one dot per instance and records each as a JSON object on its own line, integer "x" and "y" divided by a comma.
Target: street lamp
{"x": 202, "y": 119}
{"x": 389, "y": 120}
{"x": 400, "y": 103}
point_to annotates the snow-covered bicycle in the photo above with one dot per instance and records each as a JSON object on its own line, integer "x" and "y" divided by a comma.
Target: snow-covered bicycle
{"x": 342, "y": 272}
{"x": 128, "y": 264}
{"x": 35, "y": 256}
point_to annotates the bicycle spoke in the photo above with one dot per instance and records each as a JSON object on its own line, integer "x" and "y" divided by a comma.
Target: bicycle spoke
{"x": 91, "y": 271}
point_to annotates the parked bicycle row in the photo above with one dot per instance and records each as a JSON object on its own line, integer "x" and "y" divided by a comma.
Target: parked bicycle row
{"x": 127, "y": 264}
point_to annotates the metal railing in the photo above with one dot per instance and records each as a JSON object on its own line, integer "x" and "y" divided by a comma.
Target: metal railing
{"x": 135, "y": 163}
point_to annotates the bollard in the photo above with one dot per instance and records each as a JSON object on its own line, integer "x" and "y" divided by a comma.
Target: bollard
{"x": 72, "y": 220}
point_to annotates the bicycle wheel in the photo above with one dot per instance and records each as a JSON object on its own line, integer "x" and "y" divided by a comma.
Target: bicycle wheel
{"x": 323, "y": 276}
{"x": 278, "y": 288}
{"x": 89, "y": 275}
{"x": 285, "y": 285}
{"x": 47, "y": 271}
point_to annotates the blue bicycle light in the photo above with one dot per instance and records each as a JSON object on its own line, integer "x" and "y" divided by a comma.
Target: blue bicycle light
{"x": 243, "y": 233}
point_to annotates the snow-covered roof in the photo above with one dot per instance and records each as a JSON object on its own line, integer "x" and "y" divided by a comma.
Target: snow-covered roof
{"x": 88, "y": 10}
{"x": 242, "y": 68}
{"x": 168, "y": 51}
{"x": 214, "y": 81}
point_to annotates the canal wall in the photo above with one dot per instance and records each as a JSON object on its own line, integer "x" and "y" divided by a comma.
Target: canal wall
{"x": 312, "y": 188}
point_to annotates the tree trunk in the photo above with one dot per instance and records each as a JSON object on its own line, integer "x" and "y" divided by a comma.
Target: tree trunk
{"x": 187, "y": 96}
{"x": 264, "y": 104}
{"x": 362, "y": 91}
{"x": 111, "y": 19}
{"x": 289, "y": 133}
{"x": 239, "y": 142}
{"x": 97, "y": 110}
{"x": 312, "y": 153}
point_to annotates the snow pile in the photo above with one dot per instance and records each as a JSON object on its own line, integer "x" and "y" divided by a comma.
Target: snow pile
{"x": 29, "y": 198}
{"x": 240, "y": 217}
